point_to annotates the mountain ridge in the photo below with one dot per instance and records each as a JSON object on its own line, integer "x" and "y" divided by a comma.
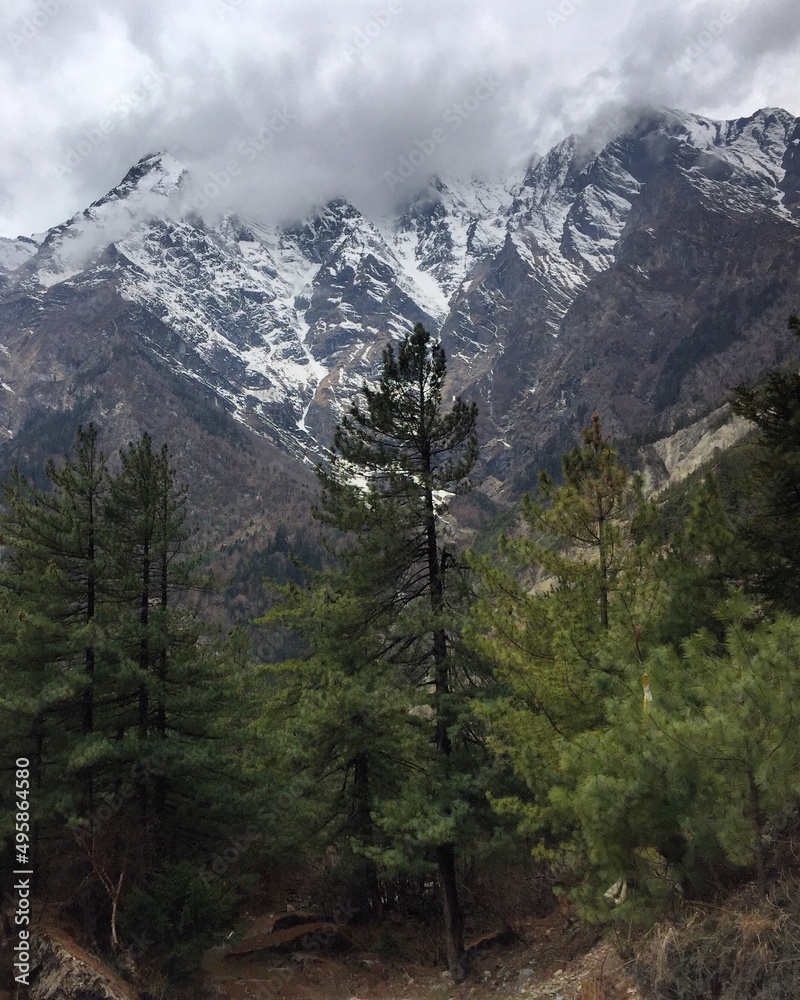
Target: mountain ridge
{"x": 598, "y": 279}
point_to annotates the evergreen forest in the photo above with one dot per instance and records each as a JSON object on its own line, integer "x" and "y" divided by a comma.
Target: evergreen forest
{"x": 605, "y": 690}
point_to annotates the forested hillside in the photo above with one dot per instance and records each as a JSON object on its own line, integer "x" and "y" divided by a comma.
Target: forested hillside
{"x": 606, "y": 694}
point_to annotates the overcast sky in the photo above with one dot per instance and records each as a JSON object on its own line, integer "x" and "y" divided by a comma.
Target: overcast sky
{"x": 277, "y": 105}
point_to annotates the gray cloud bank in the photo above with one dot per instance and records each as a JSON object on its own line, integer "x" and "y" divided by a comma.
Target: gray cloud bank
{"x": 278, "y": 106}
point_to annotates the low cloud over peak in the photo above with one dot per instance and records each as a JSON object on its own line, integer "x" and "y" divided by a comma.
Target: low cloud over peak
{"x": 283, "y": 106}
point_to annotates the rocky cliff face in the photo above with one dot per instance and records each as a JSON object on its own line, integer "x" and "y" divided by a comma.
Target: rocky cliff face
{"x": 660, "y": 273}
{"x": 642, "y": 276}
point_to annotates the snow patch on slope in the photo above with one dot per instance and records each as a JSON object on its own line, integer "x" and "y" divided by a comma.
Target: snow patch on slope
{"x": 740, "y": 162}
{"x": 14, "y": 253}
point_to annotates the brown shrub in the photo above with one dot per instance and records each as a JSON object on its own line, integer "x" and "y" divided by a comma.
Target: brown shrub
{"x": 747, "y": 949}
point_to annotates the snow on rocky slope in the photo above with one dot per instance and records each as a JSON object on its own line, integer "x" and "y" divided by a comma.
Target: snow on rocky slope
{"x": 282, "y": 324}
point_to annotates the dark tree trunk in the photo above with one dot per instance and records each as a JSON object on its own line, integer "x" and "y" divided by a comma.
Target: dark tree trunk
{"x": 453, "y": 917}
{"x": 144, "y": 666}
{"x": 144, "y": 644}
{"x": 445, "y": 853}
{"x": 159, "y": 780}
{"x": 758, "y": 822}
{"x": 87, "y": 725}
{"x": 161, "y": 711}
{"x": 363, "y": 824}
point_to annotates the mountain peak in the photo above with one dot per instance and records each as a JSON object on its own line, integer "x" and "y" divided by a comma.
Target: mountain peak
{"x": 156, "y": 173}
{"x": 637, "y": 270}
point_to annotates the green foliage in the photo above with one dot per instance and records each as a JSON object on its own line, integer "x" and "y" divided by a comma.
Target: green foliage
{"x": 703, "y": 566}
{"x": 178, "y": 916}
{"x": 593, "y": 608}
{"x": 337, "y": 722}
{"x": 561, "y": 614}
{"x": 382, "y": 699}
{"x": 624, "y": 692}
{"x": 772, "y": 530}
{"x": 54, "y": 587}
{"x": 110, "y": 685}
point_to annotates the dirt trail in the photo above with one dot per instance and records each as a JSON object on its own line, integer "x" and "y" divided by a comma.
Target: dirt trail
{"x": 550, "y": 958}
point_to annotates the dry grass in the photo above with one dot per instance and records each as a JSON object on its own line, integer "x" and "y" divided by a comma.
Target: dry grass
{"x": 745, "y": 950}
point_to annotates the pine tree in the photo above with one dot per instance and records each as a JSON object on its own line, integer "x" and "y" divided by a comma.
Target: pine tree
{"x": 397, "y": 457}
{"x": 576, "y": 582}
{"x": 338, "y": 730}
{"x": 169, "y": 685}
{"x": 564, "y": 617}
{"x": 54, "y": 578}
{"x": 589, "y": 515}
{"x": 700, "y": 568}
{"x": 772, "y": 531}
{"x": 107, "y": 685}
{"x": 702, "y": 781}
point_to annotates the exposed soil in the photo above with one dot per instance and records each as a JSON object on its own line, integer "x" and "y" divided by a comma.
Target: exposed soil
{"x": 552, "y": 957}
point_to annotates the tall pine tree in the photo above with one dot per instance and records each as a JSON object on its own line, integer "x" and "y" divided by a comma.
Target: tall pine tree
{"x": 108, "y": 686}
{"x": 54, "y": 580}
{"x": 397, "y": 458}
{"x": 170, "y": 679}
{"x": 564, "y": 617}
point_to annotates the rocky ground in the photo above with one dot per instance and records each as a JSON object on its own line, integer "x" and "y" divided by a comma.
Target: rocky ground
{"x": 743, "y": 947}
{"x": 550, "y": 957}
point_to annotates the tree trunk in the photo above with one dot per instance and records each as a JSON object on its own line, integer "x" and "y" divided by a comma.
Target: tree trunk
{"x": 159, "y": 779}
{"x": 144, "y": 644}
{"x": 363, "y": 825}
{"x": 87, "y": 725}
{"x": 453, "y": 917}
{"x": 758, "y": 823}
{"x": 161, "y": 709}
{"x": 445, "y": 853}
{"x": 602, "y": 544}
{"x": 144, "y": 666}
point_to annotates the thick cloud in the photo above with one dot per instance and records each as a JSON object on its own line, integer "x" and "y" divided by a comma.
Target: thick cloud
{"x": 277, "y": 105}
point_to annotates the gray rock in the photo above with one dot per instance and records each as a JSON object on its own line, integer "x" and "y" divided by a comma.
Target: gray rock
{"x": 65, "y": 971}
{"x": 523, "y": 978}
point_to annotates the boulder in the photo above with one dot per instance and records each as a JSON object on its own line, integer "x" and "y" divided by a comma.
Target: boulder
{"x": 319, "y": 936}
{"x": 63, "y": 970}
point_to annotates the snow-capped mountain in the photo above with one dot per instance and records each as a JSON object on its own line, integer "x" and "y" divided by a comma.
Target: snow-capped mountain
{"x": 282, "y": 325}
{"x": 643, "y": 275}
